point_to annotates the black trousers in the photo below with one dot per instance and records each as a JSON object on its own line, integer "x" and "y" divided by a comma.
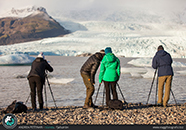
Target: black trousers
{"x": 36, "y": 82}
{"x": 112, "y": 86}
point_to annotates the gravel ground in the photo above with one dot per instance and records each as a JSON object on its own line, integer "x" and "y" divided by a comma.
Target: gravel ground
{"x": 132, "y": 114}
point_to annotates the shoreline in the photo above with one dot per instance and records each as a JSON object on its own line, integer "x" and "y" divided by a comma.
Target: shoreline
{"x": 132, "y": 114}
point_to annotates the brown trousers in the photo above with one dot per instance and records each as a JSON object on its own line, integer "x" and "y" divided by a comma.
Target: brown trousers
{"x": 167, "y": 80}
{"x": 36, "y": 83}
{"x": 89, "y": 91}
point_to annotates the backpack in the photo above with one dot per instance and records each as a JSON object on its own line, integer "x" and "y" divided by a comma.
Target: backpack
{"x": 16, "y": 107}
{"x": 115, "y": 104}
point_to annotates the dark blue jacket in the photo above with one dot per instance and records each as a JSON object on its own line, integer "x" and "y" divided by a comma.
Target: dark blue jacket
{"x": 162, "y": 61}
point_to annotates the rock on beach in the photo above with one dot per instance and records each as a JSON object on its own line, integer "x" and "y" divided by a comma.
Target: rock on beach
{"x": 131, "y": 114}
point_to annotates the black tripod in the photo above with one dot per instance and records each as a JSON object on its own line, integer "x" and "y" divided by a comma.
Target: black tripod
{"x": 104, "y": 94}
{"x": 157, "y": 89}
{"x": 151, "y": 87}
{"x": 45, "y": 93}
{"x": 50, "y": 92}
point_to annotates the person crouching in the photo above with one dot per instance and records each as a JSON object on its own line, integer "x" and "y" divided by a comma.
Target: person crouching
{"x": 88, "y": 71}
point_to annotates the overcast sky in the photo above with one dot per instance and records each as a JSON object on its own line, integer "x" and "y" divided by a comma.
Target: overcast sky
{"x": 6, "y": 5}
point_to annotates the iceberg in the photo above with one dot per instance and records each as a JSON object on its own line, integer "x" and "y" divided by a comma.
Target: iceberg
{"x": 147, "y": 62}
{"x": 183, "y": 72}
{"x": 61, "y": 80}
{"x": 16, "y": 59}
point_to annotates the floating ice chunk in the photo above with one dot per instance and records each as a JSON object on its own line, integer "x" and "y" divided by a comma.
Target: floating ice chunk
{"x": 136, "y": 75}
{"x": 146, "y": 72}
{"x": 183, "y": 72}
{"x": 148, "y": 62}
{"x": 141, "y": 62}
{"x": 16, "y": 59}
{"x": 60, "y": 80}
{"x": 19, "y": 75}
{"x": 133, "y": 70}
{"x": 149, "y": 74}
{"x": 178, "y": 64}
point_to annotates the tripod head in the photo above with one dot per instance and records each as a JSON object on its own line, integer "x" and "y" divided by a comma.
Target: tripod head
{"x": 46, "y": 72}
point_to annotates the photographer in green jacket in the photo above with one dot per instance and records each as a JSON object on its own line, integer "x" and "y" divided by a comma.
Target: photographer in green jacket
{"x": 110, "y": 73}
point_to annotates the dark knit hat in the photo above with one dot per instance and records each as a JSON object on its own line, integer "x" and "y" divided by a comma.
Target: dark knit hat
{"x": 108, "y": 50}
{"x": 160, "y": 48}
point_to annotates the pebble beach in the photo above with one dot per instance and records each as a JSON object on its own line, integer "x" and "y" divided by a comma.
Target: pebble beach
{"x": 131, "y": 114}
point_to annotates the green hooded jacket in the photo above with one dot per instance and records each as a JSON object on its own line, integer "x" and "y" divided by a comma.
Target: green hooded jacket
{"x": 110, "y": 68}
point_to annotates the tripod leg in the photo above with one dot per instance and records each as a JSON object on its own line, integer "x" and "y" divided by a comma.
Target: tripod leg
{"x": 45, "y": 95}
{"x": 173, "y": 97}
{"x": 51, "y": 92}
{"x": 103, "y": 95}
{"x": 27, "y": 98}
{"x": 122, "y": 94}
{"x": 151, "y": 86}
{"x": 156, "y": 90}
{"x": 97, "y": 94}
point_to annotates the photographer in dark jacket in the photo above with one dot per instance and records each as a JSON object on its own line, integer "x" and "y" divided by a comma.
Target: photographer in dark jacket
{"x": 162, "y": 61}
{"x": 88, "y": 71}
{"x": 36, "y": 79}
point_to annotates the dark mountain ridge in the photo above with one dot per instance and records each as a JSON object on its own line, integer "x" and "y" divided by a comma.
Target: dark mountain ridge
{"x": 36, "y": 26}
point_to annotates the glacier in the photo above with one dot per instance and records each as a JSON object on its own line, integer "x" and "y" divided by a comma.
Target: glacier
{"x": 99, "y": 35}
{"x": 130, "y": 33}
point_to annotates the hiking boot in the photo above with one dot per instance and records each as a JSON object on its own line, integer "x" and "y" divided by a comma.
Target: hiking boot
{"x": 40, "y": 109}
{"x": 106, "y": 107}
{"x": 164, "y": 105}
{"x": 94, "y": 106}
{"x": 86, "y": 107}
{"x": 34, "y": 110}
{"x": 41, "y": 106}
{"x": 160, "y": 105}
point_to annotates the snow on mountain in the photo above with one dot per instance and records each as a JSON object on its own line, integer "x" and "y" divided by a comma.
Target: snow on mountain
{"x": 132, "y": 33}
{"x": 42, "y": 14}
{"x": 23, "y": 12}
{"x": 35, "y": 26}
